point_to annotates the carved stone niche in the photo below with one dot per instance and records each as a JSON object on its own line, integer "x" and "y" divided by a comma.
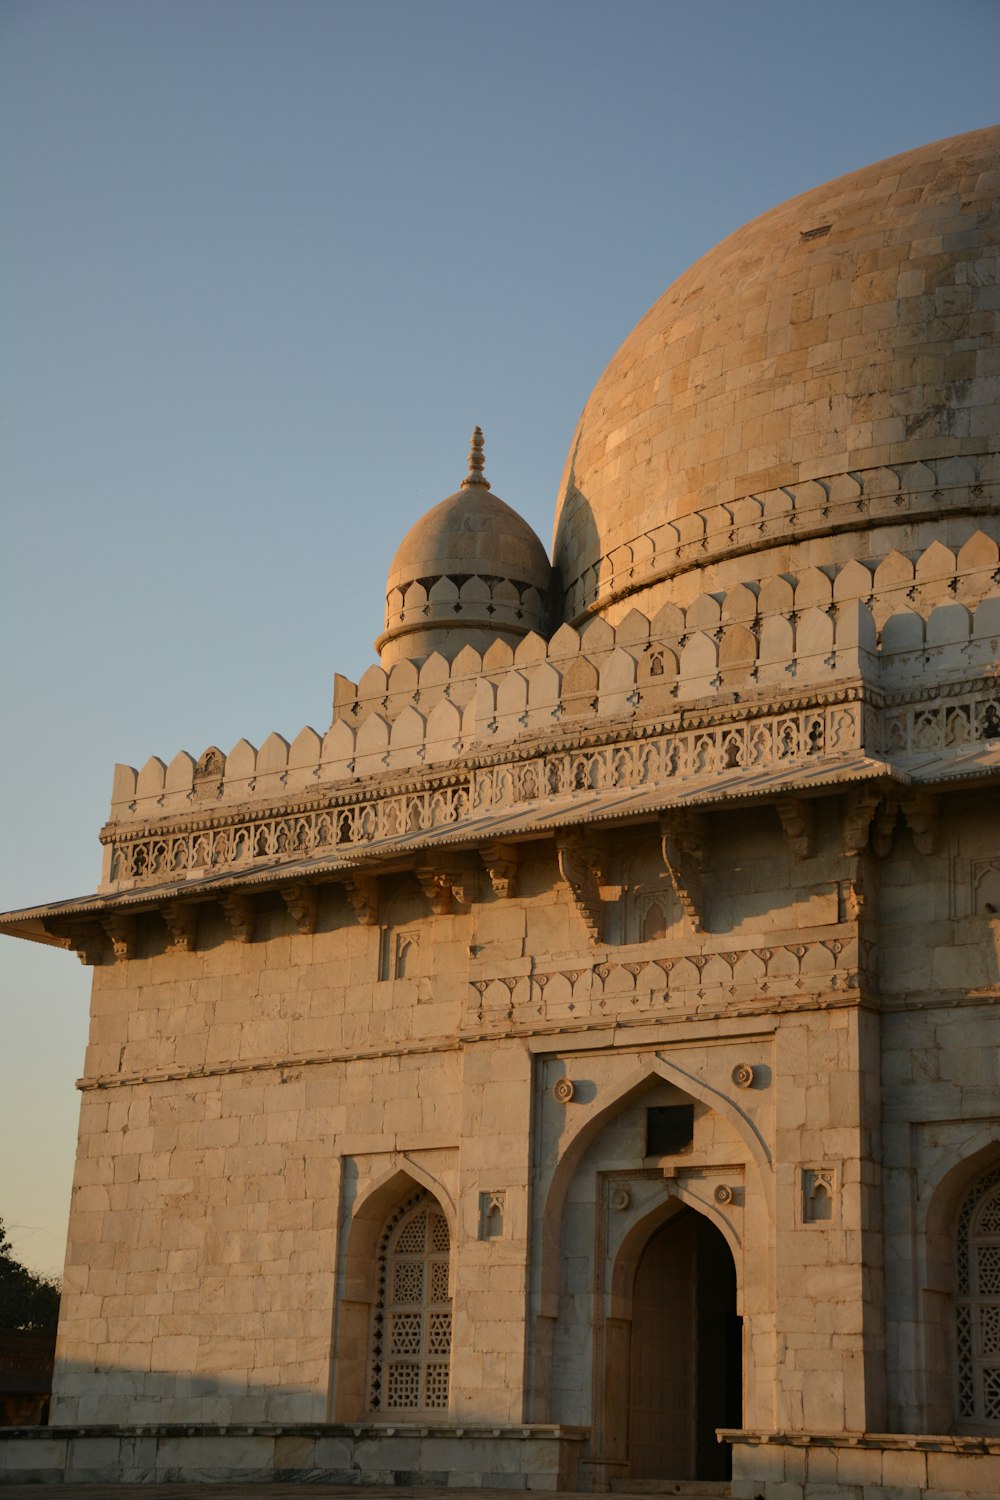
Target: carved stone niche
{"x": 580, "y": 865}
{"x": 684, "y": 835}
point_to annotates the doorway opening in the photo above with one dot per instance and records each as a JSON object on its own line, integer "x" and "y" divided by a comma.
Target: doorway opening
{"x": 686, "y": 1353}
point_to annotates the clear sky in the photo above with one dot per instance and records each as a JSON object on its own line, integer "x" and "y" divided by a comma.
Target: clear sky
{"x": 267, "y": 263}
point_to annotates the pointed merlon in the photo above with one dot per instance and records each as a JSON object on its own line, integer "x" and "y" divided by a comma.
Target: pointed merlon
{"x": 476, "y": 462}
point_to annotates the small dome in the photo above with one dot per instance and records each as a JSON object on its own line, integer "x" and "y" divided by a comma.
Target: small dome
{"x": 468, "y": 571}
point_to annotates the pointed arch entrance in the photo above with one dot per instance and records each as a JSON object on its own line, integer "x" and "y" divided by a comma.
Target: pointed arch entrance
{"x": 685, "y": 1357}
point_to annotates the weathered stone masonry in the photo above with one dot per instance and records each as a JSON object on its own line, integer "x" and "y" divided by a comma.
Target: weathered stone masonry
{"x": 588, "y": 1044}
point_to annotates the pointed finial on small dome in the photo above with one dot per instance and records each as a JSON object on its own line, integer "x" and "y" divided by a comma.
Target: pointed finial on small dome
{"x": 476, "y": 461}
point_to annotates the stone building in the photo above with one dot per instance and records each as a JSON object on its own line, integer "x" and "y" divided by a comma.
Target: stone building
{"x": 588, "y": 1044}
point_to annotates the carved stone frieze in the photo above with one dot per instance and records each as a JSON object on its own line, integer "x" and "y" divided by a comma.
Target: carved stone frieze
{"x": 650, "y": 756}
{"x": 823, "y": 968}
{"x": 952, "y": 716}
{"x": 501, "y": 861}
{"x": 657, "y": 754}
{"x": 684, "y": 838}
{"x": 579, "y": 865}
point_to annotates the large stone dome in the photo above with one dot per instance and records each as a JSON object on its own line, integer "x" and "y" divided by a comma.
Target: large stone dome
{"x": 830, "y": 370}
{"x": 469, "y": 570}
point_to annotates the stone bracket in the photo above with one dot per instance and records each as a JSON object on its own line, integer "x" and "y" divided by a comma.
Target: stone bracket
{"x": 869, "y": 813}
{"x": 240, "y": 915}
{"x": 580, "y": 867}
{"x": 362, "y": 893}
{"x": 684, "y": 836}
{"x": 443, "y": 885}
{"x": 798, "y": 819}
{"x": 121, "y": 930}
{"x": 86, "y": 940}
{"x": 922, "y": 813}
{"x": 501, "y": 861}
{"x": 303, "y": 906}
{"x": 181, "y": 918}
{"x": 885, "y": 822}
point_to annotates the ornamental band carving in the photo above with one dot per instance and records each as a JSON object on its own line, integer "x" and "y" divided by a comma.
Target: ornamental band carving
{"x": 656, "y": 760}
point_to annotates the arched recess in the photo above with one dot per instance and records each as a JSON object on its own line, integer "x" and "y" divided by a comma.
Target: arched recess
{"x": 593, "y": 1122}
{"x": 683, "y": 1310}
{"x": 397, "y": 1188}
{"x": 945, "y": 1409}
{"x": 752, "y": 1163}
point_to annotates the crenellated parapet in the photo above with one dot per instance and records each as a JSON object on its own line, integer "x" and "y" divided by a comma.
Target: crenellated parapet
{"x": 861, "y": 500}
{"x": 886, "y": 626}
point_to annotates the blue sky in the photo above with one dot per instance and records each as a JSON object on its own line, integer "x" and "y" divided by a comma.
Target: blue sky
{"x": 267, "y": 263}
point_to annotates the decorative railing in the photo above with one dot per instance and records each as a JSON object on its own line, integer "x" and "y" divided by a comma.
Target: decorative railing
{"x": 796, "y": 737}
{"x": 802, "y": 735}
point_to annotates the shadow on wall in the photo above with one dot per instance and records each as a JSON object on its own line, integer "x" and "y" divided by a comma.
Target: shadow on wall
{"x": 576, "y": 535}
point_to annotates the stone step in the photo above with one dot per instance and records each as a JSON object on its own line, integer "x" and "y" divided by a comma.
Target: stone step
{"x": 688, "y": 1489}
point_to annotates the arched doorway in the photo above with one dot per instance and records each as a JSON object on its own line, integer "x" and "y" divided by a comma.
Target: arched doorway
{"x": 686, "y": 1359}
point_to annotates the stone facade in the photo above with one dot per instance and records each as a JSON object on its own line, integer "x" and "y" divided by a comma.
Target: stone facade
{"x": 588, "y": 1044}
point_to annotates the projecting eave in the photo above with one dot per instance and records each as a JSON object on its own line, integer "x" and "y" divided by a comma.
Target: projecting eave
{"x": 54, "y": 923}
{"x": 978, "y": 765}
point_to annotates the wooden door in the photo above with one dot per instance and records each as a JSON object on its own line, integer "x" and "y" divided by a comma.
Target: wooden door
{"x": 685, "y": 1365}
{"x": 663, "y": 1383}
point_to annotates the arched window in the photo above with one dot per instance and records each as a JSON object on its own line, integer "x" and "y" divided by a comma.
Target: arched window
{"x": 411, "y": 1321}
{"x": 977, "y": 1306}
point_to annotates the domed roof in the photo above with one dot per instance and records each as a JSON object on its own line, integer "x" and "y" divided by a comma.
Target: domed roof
{"x": 469, "y": 563}
{"x": 777, "y": 388}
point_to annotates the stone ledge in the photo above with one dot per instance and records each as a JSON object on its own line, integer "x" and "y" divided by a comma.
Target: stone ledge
{"x": 481, "y": 1455}
{"x": 863, "y": 1465}
{"x": 901, "y": 1441}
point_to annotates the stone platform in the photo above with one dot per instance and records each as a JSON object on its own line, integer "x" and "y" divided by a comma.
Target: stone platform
{"x": 285, "y": 1492}
{"x": 399, "y": 1456}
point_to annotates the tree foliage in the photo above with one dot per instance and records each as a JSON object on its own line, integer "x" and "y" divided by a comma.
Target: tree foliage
{"x": 28, "y": 1302}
